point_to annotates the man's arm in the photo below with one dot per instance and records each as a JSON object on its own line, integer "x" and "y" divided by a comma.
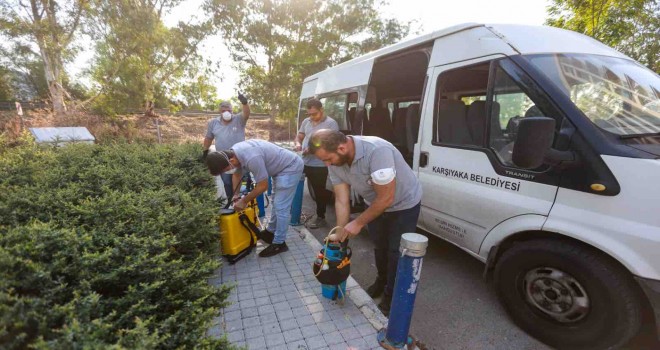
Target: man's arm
{"x": 384, "y": 199}
{"x": 236, "y": 178}
{"x": 298, "y": 141}
{"x": 342, "y": 208}
{"x": 259, "y": 188}
{"x": 207, "y": 143}
{"x": 246, "y": 112}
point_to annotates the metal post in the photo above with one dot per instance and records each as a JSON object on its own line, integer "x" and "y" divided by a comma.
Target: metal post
{"x": 270, "y": 186}
{"x": 261, "y": 205}
{"x": 296, "y": 206}
{"x": 409, "y": 270}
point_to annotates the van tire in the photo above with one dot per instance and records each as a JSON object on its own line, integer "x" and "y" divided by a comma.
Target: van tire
{"x": 613, "y": 315}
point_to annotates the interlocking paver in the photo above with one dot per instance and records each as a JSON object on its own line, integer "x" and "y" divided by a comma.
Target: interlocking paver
{"x": 256, "y": 343}
{"x": 275, "y": 339}
{"x": 293, "y": 335}
{"x": 288, "y": 324}
{"x": 317, "y": 342}
{"x": 277, "y": 304}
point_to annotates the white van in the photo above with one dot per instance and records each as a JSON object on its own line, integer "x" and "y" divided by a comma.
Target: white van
{"x": 538, "y": 152}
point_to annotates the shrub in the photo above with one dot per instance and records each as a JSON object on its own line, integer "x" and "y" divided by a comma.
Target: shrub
{"x": 107, "y": 247}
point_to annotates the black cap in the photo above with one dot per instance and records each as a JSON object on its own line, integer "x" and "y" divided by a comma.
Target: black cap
{"x": 217, "y": 162}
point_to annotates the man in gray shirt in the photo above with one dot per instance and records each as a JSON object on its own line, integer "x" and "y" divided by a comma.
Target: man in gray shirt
{"x": 227, "y": 130}
{"x": 315, "y": 170}
{"x": 376, "y": 170}
{"x": 263, "y": 159}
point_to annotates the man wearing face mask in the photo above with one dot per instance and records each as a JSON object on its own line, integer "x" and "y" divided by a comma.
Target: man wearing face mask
{"x": 263, "y": 159}
{"x": 227, "y": 130}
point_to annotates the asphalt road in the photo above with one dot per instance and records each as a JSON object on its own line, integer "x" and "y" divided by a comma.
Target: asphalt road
{"x": 455, "y": 307}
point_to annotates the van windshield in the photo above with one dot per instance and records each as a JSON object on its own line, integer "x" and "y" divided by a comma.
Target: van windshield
{"x": 618, "y": 95}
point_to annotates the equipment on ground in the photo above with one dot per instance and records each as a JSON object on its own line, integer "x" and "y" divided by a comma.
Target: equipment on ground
{"x": 332, "y": 267}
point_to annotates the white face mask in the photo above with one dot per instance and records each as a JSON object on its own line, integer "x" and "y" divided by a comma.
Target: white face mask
{"x": 233, "y": 168}
{"x": 226, "y": 116}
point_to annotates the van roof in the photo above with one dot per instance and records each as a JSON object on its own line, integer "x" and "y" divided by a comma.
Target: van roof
{"x": 522, "y": 38}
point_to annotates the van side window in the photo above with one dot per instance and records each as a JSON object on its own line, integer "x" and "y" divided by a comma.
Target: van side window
{"x": 510, "y": 105}
{"x": 336, "y": 107}
{"x": 457, "y": 120}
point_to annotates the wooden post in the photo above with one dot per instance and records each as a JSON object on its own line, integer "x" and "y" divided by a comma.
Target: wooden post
{"x": 158, "y": 130}
{"x": 19, "y": 112}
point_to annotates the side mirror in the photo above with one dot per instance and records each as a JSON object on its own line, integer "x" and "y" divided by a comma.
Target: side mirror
{"x": 533, "y": 141}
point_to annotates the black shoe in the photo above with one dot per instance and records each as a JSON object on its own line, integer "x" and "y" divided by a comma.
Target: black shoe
{"x": 385, "y": 304}
{"x": 266, "y": 236}
{"x": 376, "y": 289}
{"x": 274, "y": 249}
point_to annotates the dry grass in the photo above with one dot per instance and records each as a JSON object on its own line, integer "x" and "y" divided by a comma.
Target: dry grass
{"x": 135, "y": 128}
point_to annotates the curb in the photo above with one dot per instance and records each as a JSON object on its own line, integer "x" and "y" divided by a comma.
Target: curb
{"x": 359, "y": 296}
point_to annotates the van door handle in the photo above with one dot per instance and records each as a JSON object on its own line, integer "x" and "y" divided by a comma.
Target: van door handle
{"x": 423, "y": 159}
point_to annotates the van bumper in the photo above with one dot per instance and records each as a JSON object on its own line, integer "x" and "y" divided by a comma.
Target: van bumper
{"x": 652, "y": 290}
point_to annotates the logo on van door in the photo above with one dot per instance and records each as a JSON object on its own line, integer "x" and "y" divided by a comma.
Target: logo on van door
{"x": 520, "y": 175}
{"x": 486, "y": 180}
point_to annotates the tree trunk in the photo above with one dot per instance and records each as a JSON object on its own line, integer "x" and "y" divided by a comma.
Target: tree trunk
{"x": 272, "y": 124}
{"x": 54, "y": 80}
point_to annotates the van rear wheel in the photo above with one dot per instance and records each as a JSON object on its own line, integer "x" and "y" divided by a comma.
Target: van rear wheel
{"x": 567, "y": 295}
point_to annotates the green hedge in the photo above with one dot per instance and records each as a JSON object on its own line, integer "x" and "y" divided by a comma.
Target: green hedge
{"x": 107, "y": 247}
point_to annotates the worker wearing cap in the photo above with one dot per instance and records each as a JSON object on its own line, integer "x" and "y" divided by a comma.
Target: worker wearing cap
{"x": 263, "y": 159}
{"x": 376, "y": 170}
{"x": 227, "y": 130}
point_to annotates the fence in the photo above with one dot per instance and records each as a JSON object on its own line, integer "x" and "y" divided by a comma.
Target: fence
{"x": 26, "y": 105}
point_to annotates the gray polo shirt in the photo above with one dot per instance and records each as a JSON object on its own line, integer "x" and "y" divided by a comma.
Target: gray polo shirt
{"x": 307, "y": 128}
{"x": 264, "y": 159}
{"x": 372, "y": 154}
{"x": 226, "y": 135}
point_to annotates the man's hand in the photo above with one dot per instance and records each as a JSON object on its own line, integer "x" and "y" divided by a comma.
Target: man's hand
{"x": 242, "y": 98}
{"x": 298, "y": 148}
{"x": 240, "y": 205}
{"x": 351, "y": 230}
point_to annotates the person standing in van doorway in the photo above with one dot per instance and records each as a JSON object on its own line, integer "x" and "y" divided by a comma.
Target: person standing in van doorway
{"x": 376, "y": 170}
{"x": 315, "y": 170}
{"x": 263, "y": 159}
{"x": 227, "y": 130}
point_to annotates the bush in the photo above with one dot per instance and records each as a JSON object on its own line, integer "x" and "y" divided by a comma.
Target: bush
{"x": 107, "y": 247}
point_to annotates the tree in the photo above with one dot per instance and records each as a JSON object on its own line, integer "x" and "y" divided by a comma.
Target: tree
{"x": 137, "y": 55}
{"x": 276, "y": 43}
{"x": 630, "y": 26}
{"x": 51, "y": 27}
{"x": 6, "y": 90}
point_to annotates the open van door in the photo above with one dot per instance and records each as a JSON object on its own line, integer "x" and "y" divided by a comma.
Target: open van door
{"x": 471, "y": 184}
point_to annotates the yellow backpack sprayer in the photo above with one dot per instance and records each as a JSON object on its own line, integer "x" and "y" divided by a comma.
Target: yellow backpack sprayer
{"x": 239, "y": 231}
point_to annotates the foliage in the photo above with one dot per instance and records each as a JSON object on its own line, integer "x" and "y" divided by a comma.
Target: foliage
{"x": 139, "y": 60}
{"x": 630, "y": 26}
{"x": 6, "y": 89}
{"x": 279, "y": 42}
{"x": 107, "y": 247}
{"x": 51, "y": 26}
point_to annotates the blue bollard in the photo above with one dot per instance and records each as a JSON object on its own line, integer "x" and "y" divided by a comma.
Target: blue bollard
{"x": 270, "y": 186}
{"x": 296, "y": 206}
{"x": 261, "y": 205}
{"x": 409, "y": 270}
{"x": 334, "y": 253}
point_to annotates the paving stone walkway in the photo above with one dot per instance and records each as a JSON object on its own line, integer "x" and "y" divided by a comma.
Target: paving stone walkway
{"x": 277, "y": 304}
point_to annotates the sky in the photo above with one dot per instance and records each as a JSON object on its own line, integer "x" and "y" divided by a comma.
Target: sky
{"x": 429, "y": 15}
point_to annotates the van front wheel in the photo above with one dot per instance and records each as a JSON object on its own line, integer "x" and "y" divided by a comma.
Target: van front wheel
{"x": 567, "y": 295}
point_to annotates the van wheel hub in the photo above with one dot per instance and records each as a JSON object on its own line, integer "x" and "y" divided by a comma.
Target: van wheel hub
{"x": 556, "y": 294}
